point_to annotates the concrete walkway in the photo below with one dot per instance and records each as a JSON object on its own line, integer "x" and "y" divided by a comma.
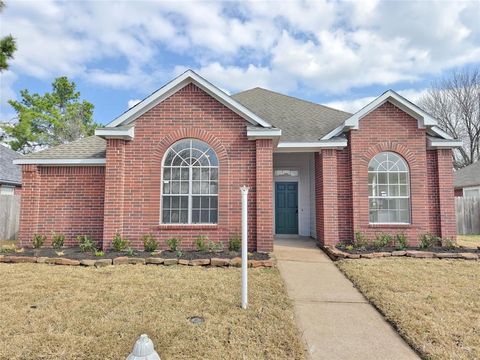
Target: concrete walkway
{"x": 335, "y": 319}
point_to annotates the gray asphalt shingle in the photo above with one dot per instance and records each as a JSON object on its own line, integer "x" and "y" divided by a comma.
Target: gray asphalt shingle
{"x": 467, "y": 176}
{"x": 9, "y": 173}
{"x": 300, "y": 120}
{"x": 92, "y": 147}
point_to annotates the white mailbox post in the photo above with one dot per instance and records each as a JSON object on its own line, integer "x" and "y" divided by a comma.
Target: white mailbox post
{"x": 244, "y": 191}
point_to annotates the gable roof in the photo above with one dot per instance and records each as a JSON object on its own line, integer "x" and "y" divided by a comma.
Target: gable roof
{"x": 424, "y": 119}
{"x": 9, "y": 173}
{"x": 87, "y": 151}
{"x": 467, "y": 176}
{"x": 178, "y": 83}
{"x": 300, "y": 120}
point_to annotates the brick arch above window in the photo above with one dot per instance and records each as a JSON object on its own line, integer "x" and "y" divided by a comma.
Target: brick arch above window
{"x": 199, "y": 134}
{"x": 391, "y": 146}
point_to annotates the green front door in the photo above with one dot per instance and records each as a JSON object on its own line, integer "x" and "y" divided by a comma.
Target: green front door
{"x": 286, "y": 208}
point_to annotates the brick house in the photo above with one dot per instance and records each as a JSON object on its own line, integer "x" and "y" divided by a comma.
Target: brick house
{"x": 466, "y": 181}
{"x": 173, "y": 164}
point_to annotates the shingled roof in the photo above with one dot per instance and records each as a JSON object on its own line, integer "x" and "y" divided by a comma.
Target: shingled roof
{"x": 9, "y": 173}
{"x": 92, "y": 147}
{"x": 467, "y": 176}
{"x": 300, "y": 120}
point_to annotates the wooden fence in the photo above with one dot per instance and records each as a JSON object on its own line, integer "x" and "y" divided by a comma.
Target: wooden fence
{"x": 468, "y": 215}
{"x": 9, "y": 216}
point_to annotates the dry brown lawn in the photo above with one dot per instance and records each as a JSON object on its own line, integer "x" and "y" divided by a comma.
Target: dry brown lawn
{"x": 434, "y": 304}
{"x": 59, "y": 312}
{"x": 471, "y": 241}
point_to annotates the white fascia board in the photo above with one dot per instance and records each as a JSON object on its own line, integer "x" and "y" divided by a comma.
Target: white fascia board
{"x": 442, "y": 144}
{"x": 178, "y": 83}
{"x": 116, "y": 133}
{"x": 410, "y": 108}
{"x": 436, "y": 130}
{"x": 314, "y": 146}
{"x": 263, "y": 133}
{"x": 59, "y": 162}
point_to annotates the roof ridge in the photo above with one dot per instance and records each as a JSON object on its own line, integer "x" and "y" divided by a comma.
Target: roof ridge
{"x": 292, "y": 97}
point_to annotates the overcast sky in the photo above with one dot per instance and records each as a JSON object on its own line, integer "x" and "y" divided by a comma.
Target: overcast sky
{"x": 341, "y": 54}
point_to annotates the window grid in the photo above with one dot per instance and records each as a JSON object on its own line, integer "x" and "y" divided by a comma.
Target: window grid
{"x": 389, "y": 190}
{"x": 190, "y": 184}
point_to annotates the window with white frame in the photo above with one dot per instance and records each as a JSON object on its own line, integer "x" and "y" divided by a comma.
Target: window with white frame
{"x": 7, "y": 190}
{"x": 388, "y": 189}
{"x": 190, "y": 184}
{"x": 471, "y": 192}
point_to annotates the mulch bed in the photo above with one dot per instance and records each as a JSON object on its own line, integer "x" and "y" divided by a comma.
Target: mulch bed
{"x": 391, "y": 249}
{"x": 76, "y": 254}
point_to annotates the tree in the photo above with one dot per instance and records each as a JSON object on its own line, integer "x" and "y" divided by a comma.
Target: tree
{"x": 51, "y": 119}
{"x": 7, "y": 47}
{"x": 455, "y": 102}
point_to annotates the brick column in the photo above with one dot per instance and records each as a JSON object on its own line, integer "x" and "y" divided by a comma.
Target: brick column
{"x": 326, "y": 197}
{"x": 29, "y": 204}
{"x": 446, "y": 194}
{"x": 114, "y": 190}
{"x": 264, "y": 194}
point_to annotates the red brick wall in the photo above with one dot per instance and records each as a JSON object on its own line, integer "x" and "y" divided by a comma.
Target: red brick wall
{"x": 390, "y": 129}
{"x": 189, "y": 113}
{"x": 344, "y": 194}
{"x": 66, "y": 200}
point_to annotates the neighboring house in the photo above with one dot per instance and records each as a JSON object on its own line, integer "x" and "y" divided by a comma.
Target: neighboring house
{"x": 467, "y": 180}
{"x": 10, "y": 174}
{"x": 173, "y": 164}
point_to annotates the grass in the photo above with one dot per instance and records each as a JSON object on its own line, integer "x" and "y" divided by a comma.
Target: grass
{"x": 59, "y": 312}
{"x": 434, "y": 304}
{"x": 471, "y": 241}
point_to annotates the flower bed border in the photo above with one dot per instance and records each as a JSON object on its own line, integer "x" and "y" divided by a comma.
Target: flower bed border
{"x": 125, "y": 260}
{"x": 337, "y": 254}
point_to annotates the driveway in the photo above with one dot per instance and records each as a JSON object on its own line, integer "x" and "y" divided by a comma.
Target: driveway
{"x": 335, "y": 319}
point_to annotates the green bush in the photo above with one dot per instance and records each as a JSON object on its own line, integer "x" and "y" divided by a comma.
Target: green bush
{"x": 130, "y": 252}
{"x": 349, "y": 247}
{"x": 149, "y": 243}
{"x": 86, "y": 243}
{"x": 173, "y": 244}
{"x": 99, "y": 253}
{"x": 449, "y": 243}
{"x": 119, "y": 243}
{"x": 201, "y": 243}
{"x": 38, "y": 240}
{"x": 215, "y": 247}
{"x": 428, "y": 240}
{"x": 360, "y": 240}
{"x": 382, "y": 240}
{"x": 57, "y": 240}
{"x": 235, "y": 243}
{"x": 401, "y": 241}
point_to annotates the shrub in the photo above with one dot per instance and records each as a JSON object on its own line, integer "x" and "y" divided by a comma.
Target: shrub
{"x": 360, "y": 240}
{"x": 401, "y": 241}
{"x": 86, "y": 243}
{"x": 200, "y": 243}
{"x": 99, "y": 253}
{"x": 130, "y": 251}
{"x": 149, "y": 243}
{"x": 119, "y": 243}
{"x": 215, "y": 247}
{"x": 235, "y": 243}
{"x": 449, "y": 243}
{"x": 57, "y": 240}
{"x": 349, "y": 247}
{"x": 382, "y": 240}
{"x": 173, "y": 244}
{"x": 428, "y": 240}
{"x": 38, "y": 240}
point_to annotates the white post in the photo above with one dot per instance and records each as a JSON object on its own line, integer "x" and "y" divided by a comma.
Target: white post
{"x": 244, "y": 190}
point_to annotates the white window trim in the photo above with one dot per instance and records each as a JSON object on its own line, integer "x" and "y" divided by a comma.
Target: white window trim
{"x": 408, "y": 196}
{"x": 9, "y": 187}
{"x": 471, "y": 188}
{"x": 190, "y": 194}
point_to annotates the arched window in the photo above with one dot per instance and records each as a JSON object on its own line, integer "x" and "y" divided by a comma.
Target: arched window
{"x": 190, "y": 184}
{"x": 388, "y": 189}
